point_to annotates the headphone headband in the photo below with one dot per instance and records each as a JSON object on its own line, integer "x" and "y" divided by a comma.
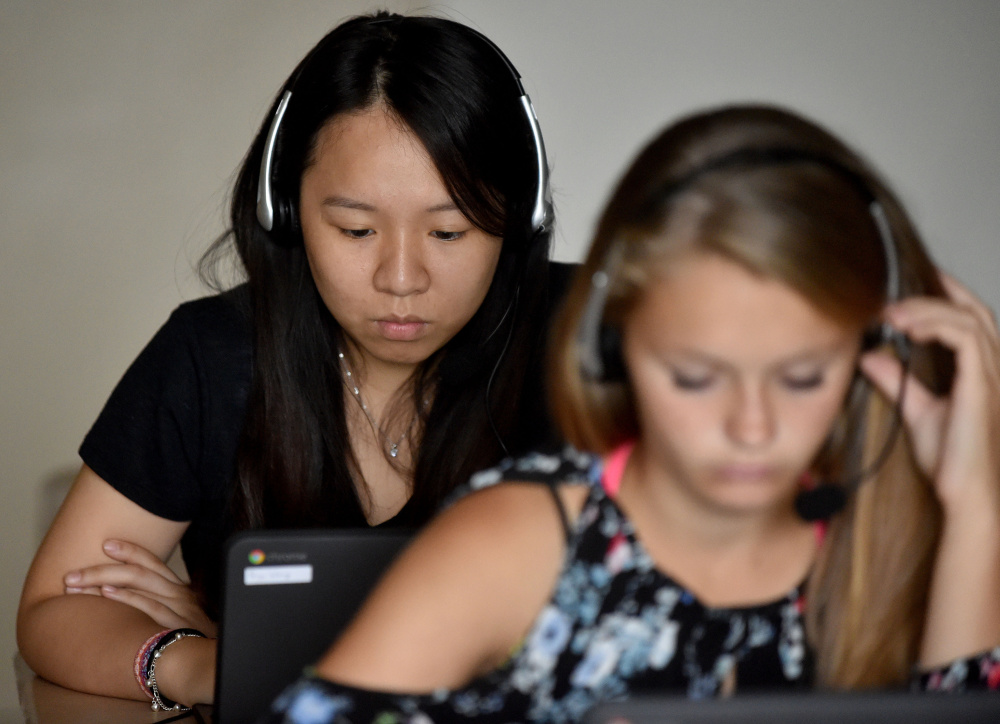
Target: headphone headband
{"x": 599, "y": 350}
{"x": 265, "y": 192}
{"x": 271, "y": 210}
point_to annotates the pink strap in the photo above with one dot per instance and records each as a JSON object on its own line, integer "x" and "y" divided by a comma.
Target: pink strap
{"x": 820, "y": 527}
{"x": 614, "y": 468}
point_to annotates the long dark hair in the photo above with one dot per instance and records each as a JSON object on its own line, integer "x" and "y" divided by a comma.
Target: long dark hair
{"x": 806, "y": 225}
{"x": 457, "y": 95}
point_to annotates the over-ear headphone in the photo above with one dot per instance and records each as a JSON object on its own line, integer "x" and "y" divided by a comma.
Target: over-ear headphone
{"x": 599, "y": 344}
{"x": 275, "y": 213}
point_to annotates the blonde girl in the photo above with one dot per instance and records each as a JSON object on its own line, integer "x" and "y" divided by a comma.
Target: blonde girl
{"x": 734, "y": 348}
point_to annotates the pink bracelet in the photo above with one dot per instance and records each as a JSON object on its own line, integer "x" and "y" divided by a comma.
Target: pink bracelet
{"x": 141, "y": 663}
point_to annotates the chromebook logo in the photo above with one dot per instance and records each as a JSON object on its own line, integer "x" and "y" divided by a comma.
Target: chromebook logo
{"x": 256, "y": 557}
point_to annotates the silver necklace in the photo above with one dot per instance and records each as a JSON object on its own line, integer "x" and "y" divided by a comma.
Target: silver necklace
{"x": 351, "y": 381}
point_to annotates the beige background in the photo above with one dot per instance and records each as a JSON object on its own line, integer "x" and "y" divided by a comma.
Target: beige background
{"x": 121, "y": 124}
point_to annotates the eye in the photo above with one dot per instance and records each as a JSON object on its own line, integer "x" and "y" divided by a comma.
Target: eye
{"x": 692, "y": 383}
{"x": 448, "y": 235}
{"x": 802, "y": 383}
{"x": 357, "y": 233}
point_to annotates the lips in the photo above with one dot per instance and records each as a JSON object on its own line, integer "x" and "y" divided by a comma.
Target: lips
{"x": 401, "y": 329}
{"x": 747, "y": 472}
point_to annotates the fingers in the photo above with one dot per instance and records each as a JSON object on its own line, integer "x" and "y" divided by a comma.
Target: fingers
{"x": 139, "y": 579}
{"x": 126, "y": 552}
{"x": 952, "y": 320}
{"x": 180, "y": 612}
{"x": 956, "y": 438}
{"x": 91, "y": 590}
{"x": 155, "y": 609}
{"x": 121, "y": 576}
{"x": 970, "y": 332}
{"x": 172, "y": 605}
{"x": 142, "y": 569}
{"x": 885, "y": 372}
{"x": 964, "y": 297}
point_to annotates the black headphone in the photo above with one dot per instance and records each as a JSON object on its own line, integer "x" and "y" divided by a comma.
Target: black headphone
{"x": 599, "y": 344}
{"x": 277, "y": 214}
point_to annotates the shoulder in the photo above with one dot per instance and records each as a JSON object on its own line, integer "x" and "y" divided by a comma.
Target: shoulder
{"x": 174, "y": 417}
{"x": 208, "y": 338}
{"x": 556, "y": 482}
{"x": 460, "y": 597}
{"x": 508, "y": 514}
{"x": 216, "y": 324}
{"x": 225, "y": 315}
{"x": 565, "y": 465}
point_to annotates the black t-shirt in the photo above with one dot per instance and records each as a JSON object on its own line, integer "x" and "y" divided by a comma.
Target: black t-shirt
{"x": 167, "y": 437}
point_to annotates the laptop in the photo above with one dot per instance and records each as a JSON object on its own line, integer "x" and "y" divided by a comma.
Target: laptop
{"x": 896, "y": 707}
{"x": 286, "y": 597}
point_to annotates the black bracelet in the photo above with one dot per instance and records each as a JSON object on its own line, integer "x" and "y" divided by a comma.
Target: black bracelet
{"x": 160, "y": 701}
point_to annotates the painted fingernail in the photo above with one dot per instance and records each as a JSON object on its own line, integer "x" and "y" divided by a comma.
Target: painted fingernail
{"x": 111, "y": 546}
{"x": 72, "y": 578}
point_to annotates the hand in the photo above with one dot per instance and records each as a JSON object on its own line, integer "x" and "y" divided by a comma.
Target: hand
{"x": 956, "y": 439}
{"x": 141, "y": 580}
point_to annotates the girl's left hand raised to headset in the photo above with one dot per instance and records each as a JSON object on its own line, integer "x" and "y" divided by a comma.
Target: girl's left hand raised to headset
{"x": 955, "y": 438}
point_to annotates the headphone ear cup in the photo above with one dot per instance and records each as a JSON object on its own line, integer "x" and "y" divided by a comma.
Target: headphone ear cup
{"x": 884, "y": 334}
{"x": 286, "y": 222}
{"x": 612, "y": 360}
{"x": 873, "y": 338}
{"x": 290, "y": 218}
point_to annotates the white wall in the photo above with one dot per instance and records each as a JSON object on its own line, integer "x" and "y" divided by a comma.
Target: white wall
{"x": 121, "y": 124}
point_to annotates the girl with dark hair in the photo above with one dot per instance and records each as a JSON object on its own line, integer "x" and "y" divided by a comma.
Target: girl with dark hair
{"x": 777, "y": 491}
{"x": 393, "y": 222}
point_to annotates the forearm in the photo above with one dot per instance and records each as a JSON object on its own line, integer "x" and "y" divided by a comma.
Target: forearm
{"x": 963, "y": 614}
{"x": 89, "y": 643}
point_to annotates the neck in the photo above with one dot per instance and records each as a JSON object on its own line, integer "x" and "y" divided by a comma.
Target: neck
{"x": 386, "y": 413}
{"x": 380, "y": 382}
{"x": 725, "y": 557}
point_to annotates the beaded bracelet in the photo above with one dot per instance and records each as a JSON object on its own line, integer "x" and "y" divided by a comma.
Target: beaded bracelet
{"x": 155, "y": 652}
{"x": 141, "y": 663}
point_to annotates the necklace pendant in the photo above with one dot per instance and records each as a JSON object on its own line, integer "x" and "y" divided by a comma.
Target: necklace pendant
{"x": 393, "y": 450}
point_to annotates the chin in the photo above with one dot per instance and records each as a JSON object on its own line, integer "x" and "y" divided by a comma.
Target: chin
{"x": 403, "y": 353}
{"x": 751, "y": 498}
{"x": 755, "y": 504}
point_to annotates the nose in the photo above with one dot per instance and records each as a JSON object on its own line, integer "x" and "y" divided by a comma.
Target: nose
{"x": 401, "y": 269}
{"x": 751, "y": 421}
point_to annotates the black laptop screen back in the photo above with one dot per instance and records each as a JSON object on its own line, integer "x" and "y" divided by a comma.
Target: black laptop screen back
{"x": 287, "y": 596}
{"x": 896, "y": 707}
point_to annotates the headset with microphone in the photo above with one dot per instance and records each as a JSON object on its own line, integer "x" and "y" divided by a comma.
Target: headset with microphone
{"x": 599, "y": 344}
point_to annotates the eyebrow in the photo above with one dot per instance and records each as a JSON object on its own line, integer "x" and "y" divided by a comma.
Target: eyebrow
{"x": 813, "y": 356}
{"x": 343, "y": 202}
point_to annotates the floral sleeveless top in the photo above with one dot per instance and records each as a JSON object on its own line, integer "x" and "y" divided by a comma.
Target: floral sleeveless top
{"x": 614, "y": 625}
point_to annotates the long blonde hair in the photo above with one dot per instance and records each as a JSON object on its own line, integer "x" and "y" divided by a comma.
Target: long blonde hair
{"x": 806, "y": 222}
